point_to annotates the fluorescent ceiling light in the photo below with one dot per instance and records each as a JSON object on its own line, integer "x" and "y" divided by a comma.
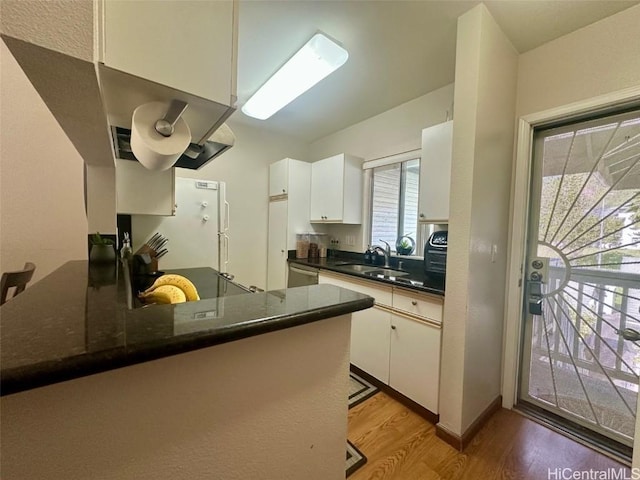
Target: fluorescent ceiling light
{"x": 318, "y": 58}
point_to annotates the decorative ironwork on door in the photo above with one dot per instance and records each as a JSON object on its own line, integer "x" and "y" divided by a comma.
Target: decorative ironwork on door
{"x": 582, "y": 342}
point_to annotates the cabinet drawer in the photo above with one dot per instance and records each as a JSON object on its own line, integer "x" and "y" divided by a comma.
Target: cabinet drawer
{"x": 419, "y": 305}
{"x": 382, "y": 295}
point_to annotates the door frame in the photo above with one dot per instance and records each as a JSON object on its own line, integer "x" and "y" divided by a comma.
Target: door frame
{"x": 518, "y": 216}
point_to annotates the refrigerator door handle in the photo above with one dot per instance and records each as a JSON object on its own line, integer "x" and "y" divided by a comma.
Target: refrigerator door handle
{"x": 227, "y": 213}
{"x": 226, "y": 247}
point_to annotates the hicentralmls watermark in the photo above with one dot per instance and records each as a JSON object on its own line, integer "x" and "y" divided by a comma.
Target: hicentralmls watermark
{"x": 619, "y": 473}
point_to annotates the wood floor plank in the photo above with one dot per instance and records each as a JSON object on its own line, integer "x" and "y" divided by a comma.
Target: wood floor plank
{"x": 401, "y": 445}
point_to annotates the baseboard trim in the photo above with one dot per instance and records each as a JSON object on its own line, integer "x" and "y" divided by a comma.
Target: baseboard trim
{"x": 460, "y": 442}
{"x": 425, "y": 413}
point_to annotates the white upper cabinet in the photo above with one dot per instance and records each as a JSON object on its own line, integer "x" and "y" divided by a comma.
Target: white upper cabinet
{"x": 188, "y": 45}
{"x": 336, "y": 190}
{"x": 288, "y": 215}
{"x": 435, "y": 173}
{"x": 279, "y": 178}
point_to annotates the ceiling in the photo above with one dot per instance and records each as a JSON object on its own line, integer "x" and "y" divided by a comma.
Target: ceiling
{"x": 398, "y": 50}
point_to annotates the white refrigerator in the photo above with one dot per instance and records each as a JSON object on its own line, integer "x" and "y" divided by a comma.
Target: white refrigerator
{"x": 198, "y": 233}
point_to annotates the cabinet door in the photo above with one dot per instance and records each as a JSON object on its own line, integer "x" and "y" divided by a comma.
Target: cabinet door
{"x": 415, "y": 361}
{"x": 327, "y": 195}
{"x": 144, "y": 192}
{"x": 278, "y": 178}
{"x": 435, "y": 173}
{"x": 277, "y": 246}
{"x": 188, "y": 45}
{"x": 370, "y": 329}
{"x": 370, "y": 342}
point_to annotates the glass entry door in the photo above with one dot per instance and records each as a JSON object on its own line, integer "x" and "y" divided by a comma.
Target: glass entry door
{"x": 581, "y": 312}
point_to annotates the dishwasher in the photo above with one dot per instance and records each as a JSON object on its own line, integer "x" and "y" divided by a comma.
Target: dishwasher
{"x": 301, "y": 275}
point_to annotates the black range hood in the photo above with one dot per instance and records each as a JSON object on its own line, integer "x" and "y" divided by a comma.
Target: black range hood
{"x": 195, "y": 157}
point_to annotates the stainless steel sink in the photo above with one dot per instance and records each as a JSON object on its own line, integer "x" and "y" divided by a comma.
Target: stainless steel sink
{"x": 386, "y": 272}
{"x": 359, "y": 268}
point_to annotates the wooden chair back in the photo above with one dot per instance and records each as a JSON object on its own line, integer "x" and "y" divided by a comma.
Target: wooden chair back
{"x": 18, "y": 279}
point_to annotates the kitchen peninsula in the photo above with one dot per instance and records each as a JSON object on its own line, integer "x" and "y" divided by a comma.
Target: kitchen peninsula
{"x": 237, "y": 385}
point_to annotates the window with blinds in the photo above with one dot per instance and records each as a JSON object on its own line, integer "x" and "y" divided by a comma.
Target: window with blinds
{"x": 394, "y": 201}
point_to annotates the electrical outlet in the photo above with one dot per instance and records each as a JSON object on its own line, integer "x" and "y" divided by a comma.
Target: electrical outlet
{"x": 350, "y": 240}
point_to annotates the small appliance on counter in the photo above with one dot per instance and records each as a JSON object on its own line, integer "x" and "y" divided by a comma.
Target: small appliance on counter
{"x": 435, "y": 254}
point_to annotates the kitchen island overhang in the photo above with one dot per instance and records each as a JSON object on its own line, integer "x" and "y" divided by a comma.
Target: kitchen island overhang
{"x": 255, "y": 386}
{"x": 68, "y": 325}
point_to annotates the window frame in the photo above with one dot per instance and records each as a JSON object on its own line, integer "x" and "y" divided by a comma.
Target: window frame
{"x": 402, "y": 159}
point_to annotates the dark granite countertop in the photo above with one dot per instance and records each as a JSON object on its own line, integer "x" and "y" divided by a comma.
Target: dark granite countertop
{"x": 415, "y": 280}
{"x": 75, "y": 322}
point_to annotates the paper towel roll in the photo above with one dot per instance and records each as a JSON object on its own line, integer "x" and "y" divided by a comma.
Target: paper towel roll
{"x": 154, "y": 151}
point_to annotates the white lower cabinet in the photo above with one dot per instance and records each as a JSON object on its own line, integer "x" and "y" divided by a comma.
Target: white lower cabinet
{"x": 414, "y": 366}
{"x": 370, "y": 342}
{"x": 398, "y": 340}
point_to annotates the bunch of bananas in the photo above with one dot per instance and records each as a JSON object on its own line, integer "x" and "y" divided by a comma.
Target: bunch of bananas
{"x": 170, "y": 289}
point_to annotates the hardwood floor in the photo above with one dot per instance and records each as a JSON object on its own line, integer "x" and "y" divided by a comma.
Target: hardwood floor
{"x": 401, "y": 445}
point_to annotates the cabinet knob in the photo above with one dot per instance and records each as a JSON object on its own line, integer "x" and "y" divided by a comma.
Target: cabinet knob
{"x": 422, "y": 215}
{"x": 414, "y": 302}
{"x": 281, "y": 251}
{"x": 393, "y": 327}
{"x": 283, "y": 190}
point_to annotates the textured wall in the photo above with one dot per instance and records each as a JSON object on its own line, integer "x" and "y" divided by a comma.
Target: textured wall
{"x": 42, "y": 218}
{"x": 485, "y": 93}
{"x": 65, "y": 26}
{"x": 489, "y": 219}
{"x": 595, "y": 60}
{"x": 267, "y": 407}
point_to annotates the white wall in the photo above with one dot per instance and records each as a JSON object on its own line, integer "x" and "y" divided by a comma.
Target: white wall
{"x": 600, "y": 58}
{"x": 42, "y": 218}
{"x": 245, "y": 169}
{"x": 65, "y": 26}
{"x": 394, "y": 131}
{"x": 483, "y": 129}
{"x": 271, "y": 407}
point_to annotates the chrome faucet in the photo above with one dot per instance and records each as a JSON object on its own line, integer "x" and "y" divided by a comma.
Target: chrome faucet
{"x": 386, "y": 252}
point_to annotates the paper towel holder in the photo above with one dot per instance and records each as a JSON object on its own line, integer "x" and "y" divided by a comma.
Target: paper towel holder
{"x": 164, "y": 126}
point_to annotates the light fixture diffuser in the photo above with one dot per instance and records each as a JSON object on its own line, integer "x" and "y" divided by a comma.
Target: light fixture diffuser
{"x": 319, "y": 57}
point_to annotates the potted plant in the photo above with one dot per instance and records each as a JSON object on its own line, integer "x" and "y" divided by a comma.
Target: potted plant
{"x": 102, "y": 250}
{"x": 405, "y": 245}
